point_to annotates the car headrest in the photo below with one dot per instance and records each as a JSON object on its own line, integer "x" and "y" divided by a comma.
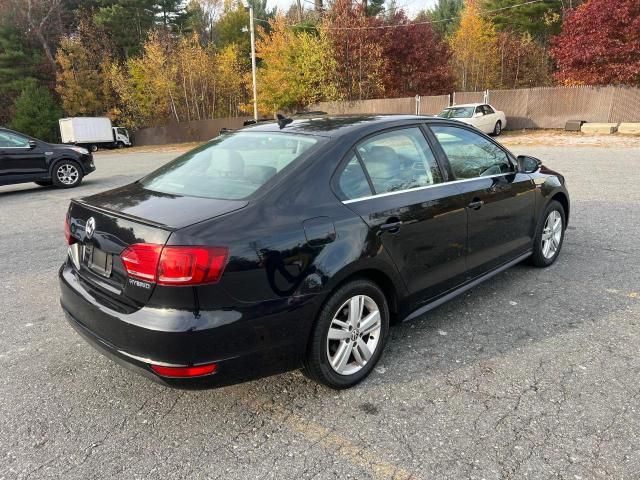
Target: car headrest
{"x": 382, "y": 162}
{"x": 228, "y": 162}
{"x": 259, "y": 173}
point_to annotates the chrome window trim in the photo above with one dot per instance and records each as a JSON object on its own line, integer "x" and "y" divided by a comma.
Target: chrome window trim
{"x": 386, "y": 194}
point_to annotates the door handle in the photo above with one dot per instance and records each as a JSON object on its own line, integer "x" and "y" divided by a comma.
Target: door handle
{"x": 391, "y": 227}
{"x": 476, "y": 204}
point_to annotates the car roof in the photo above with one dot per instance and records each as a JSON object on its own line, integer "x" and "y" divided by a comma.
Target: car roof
{"x": 467, "y": 105}
{"x": 335, "y": 125}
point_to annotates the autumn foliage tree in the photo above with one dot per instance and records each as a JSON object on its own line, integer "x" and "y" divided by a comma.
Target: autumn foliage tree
{"x": 298, "y": 68}
{"x": 357, "y": 50}
{"x": 524, "y": 62}
{"x": 83, "y": 62}
{"x": 416, "y": 59}
{"x": 475, "y": 50}
{"x": 600, "y": 44}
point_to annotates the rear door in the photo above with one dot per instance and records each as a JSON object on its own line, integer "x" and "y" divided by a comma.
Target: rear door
{"x": 18, "y": 160}
{"x": 393, "y": 181}
{"x": 490, "y": 118}
{"x": 499, "y": 201}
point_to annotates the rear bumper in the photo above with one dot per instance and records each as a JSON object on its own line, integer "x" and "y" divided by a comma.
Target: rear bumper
{"x": 244, "y": 347}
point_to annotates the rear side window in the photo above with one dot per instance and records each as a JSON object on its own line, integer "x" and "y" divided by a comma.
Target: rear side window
{"x": 470, "y": 154}
{"x": 488, "y": 110}
{"x": 399, "y": 160}
{"x": 230, "y": 167}
{"x": 353, "y": 182}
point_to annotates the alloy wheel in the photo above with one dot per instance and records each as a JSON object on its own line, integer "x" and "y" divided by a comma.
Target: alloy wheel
{"x": 551, "y": 234}
{"x": 354, "y": 335}
{"x": 67, "y": 174}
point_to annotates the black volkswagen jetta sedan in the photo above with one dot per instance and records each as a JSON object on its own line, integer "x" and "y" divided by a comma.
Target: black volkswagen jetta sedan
{"x": 26, "y": 159}
{"x": 282, "y": 246}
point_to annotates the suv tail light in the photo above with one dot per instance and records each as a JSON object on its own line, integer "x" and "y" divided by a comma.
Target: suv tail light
{"x": 174, "y": 265}
{"x": 67, "y": 232}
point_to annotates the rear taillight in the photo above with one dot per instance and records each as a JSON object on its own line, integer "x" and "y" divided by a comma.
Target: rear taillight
{"x": 141, "y": 260}
{"x": 184, "y": 372}
{"x": 174, "y": 265}
{"x": 67, "y": 232}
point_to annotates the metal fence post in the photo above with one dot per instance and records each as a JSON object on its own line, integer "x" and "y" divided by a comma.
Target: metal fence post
{"x": 417, "y": 104}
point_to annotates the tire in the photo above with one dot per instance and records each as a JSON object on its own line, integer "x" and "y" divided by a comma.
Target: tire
{"x": 93, "y": 148}
{"x": 44, "y": 183}
{"x": 497, "y": 129}
{"x": 547, "y": 248}
{"x": 66, "y": 174}
{"x": 335, "y": 362}
{"x": 120, "y": 145}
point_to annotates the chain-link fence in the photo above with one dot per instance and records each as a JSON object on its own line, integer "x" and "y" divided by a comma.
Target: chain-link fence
{"x": 544, "y": 107}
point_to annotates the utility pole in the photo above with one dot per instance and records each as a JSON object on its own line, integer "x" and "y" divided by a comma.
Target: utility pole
{"x": 253, "y": 63}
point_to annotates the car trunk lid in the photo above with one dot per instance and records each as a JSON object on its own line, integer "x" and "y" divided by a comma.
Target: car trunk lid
{"x": 104, "y": 225}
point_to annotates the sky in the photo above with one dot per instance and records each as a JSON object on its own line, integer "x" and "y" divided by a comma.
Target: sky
{"x": 412, "y": 7}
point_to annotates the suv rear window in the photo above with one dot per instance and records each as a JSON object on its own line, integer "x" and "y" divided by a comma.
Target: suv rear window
{"x": 230, "y": 167}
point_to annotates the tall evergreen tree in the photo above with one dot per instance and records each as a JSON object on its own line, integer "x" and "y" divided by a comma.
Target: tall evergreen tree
{"x": 128, "y": 23}
{"x": 540, "y": 19}
{"x": 36, "y": 113}
{"x": 444, "y": 16}
{"x": 19, "y": 63}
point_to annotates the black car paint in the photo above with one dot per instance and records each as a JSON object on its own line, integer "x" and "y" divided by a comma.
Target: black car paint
{"x": 290, "y": 245}
{"x": 36, "y": 162}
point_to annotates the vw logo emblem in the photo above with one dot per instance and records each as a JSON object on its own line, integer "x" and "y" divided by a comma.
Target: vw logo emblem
{"x": 355, "y": 333}
{"x": 90, "y": 228}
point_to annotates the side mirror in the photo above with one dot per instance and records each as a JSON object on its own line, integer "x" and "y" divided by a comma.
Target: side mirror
{"x": 527, "y": 164}
{"x": 32, "y": 144}
{"x": 477, "y": 115}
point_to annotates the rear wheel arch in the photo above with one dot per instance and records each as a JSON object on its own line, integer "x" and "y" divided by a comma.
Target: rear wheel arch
{"x": 382, "y": 279}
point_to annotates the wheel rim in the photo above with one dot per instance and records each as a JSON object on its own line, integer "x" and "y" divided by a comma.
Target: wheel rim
{"x": 354, "y": 334}
{"x": 67, "y": 174}
{"x": 551, "y": 234}
{"x": 498, "y": 127}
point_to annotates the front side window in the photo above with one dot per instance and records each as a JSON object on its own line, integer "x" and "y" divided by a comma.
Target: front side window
{"x": 399, "y": 160}
{"x": 230, "y": 167}
{"x": 470, "y": 154}
{"x": 479, "y": 110}
{"x": 11, "y": 140}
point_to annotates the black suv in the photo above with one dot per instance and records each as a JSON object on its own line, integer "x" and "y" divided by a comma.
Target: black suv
{"x": 26, "y": 159}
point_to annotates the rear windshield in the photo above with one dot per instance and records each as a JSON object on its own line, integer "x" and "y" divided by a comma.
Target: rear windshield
{"x": 231, "y": 166}
{"x": 460, "y": 112}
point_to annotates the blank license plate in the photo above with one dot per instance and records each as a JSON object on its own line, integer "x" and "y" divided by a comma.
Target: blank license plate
{"x": 98, "y": 260}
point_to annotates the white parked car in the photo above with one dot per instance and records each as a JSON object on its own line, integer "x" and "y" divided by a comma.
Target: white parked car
{"x": 481, "y": 115}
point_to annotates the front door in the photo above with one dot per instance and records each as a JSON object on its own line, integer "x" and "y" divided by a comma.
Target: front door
{"x": 18, "y": 159}
{"x": 499, "y": 201}
{"x": 420, "y": 220}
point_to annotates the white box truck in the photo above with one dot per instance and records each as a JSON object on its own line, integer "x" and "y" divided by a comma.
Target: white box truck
{"x": 93, "y": 132}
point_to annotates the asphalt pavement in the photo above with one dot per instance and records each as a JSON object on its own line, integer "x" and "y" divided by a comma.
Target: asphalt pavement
{"x": 534, "y": 374}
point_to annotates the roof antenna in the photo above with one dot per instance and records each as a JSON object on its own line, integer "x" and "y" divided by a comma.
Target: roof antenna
{"x": 282, "y": 120}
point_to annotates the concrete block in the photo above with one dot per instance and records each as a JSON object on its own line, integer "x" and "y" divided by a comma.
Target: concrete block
{"x": 629, "y": 128}
{"x": 574, "y": 125}
{"x": 605, "y": 128}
